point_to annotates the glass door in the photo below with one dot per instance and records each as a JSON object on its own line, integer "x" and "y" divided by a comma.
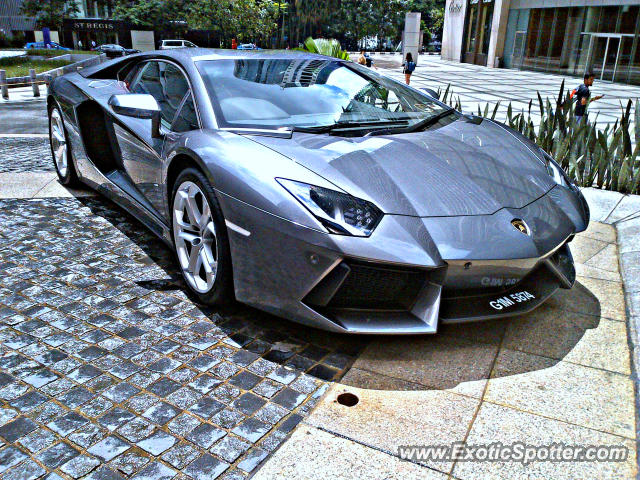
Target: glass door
{"x": 604, "y": 56}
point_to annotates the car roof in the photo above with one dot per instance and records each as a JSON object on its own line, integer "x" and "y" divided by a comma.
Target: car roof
{"x": 199, "y": 54}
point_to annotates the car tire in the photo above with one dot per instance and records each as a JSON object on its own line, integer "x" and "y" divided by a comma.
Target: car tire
{"x": 60, "y": 148}
{"x": 201, "y": 243}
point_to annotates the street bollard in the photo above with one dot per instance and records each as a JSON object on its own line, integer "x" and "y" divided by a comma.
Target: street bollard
{"x": 3, "y": 84}
{"x": 34, "y": 82}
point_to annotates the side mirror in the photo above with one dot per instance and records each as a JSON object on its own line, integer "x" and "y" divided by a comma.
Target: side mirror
{"x": 138, "y": 105}
{"x": 431, "y": 92}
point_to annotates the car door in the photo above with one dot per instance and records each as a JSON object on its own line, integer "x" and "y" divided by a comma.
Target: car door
{"x": 142, "y": 155}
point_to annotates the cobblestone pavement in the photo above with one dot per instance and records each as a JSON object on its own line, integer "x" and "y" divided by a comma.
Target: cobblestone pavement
{"x": 108, "y": 369}
{"x": 25, "y": 155}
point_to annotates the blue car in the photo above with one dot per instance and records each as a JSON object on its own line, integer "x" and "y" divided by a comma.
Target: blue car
{"x": 42, "y": 45}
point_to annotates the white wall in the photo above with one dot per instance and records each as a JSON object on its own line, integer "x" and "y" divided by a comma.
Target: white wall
{"x": 498, "y": 31}
{"x": 40, "y": 38}
{"x": 453, "y": 31}
{"x": 142, "y": 40}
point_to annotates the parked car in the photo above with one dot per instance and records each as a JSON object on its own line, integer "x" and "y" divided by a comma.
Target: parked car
{"x": 170, "y": 44}
{"x": 248, "y": 46}
{"x": 375, "y": 209}
{"x": 113, "y": 50}
{"x": 42, "y": 45}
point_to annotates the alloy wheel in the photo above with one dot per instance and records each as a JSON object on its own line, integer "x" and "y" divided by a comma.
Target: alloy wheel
{"x": 194, "y": 233}
{"x": 58, "y": 143}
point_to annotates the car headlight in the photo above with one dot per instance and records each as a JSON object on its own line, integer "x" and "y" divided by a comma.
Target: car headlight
{"x": 556, "y": 172}
{"x": 339, "y": 212}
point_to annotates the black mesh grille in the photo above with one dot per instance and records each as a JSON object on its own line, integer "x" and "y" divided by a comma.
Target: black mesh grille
{"x": 374, "y": 287}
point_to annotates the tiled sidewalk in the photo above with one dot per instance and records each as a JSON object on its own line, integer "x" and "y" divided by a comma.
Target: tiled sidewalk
{"x": 477, "y": 86}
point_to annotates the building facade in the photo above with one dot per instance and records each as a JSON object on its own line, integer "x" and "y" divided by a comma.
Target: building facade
{"x": 560, "y": 36}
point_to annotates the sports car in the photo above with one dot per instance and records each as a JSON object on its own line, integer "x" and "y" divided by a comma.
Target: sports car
{"x": 318, "y": 190}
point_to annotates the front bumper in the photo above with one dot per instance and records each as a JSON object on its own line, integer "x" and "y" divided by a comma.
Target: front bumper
{"x": 411, "y": 274}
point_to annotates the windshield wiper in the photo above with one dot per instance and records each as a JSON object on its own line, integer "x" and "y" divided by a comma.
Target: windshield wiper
{"x": 350, "y": 125}
{"x": 421, "y": 125}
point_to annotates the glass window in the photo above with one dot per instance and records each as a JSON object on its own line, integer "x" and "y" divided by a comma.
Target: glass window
{"x": 186, "y": 119}
{"x": 308, "y": 93}
{"x": 168, "y": 86}
{"x": 471, "y": 27}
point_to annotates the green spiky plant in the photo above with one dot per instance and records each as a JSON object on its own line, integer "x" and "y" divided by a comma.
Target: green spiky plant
{"x": 325, "y": 46}
{"x": 593, "y": 157}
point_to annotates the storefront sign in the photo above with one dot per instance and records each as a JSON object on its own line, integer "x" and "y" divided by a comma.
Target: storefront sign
{"x": 95, "y": 25}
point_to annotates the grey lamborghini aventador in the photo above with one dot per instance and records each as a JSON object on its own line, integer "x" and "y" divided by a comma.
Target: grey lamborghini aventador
{"x": 318, "y": 190}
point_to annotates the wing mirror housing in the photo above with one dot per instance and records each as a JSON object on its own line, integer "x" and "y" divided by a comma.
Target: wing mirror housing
{"x": 138, "y": 105}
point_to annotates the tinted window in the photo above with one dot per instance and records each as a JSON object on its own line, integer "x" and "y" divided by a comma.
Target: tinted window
{"x": 307, "y": 93}
{"x": 186, "y": 119}
{"x": 168, "y": 86}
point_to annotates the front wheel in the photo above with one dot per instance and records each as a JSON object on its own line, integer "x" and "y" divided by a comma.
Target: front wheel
{"x": 200, "y": 238}
{"x": 60, "y": 148}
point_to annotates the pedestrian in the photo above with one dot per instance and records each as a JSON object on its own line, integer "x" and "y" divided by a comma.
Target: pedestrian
{"x": 362, "y": 59}
{"x": 79, "y": 44}
{"x": 408, "y": 67}
{"x": 93, "y": 44}
{"x": 583, "y": 94}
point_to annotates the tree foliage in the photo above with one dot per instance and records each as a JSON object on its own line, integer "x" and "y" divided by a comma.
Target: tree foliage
{"x": 246, "y": 20}
{"x": 159, "y": 14}
{"x": 49, "y": 13}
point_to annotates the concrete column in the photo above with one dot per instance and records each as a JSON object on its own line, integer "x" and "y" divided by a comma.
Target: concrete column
{"x": 34, "y": 82}
{"x": 498, "y": 31}
{"x": 411, "y": 37}
{"x": 453, "y": 30}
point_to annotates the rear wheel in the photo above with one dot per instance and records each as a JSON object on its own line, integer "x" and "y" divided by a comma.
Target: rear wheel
{"x": 60, "y": 148}
{"x": 200, "y": 238}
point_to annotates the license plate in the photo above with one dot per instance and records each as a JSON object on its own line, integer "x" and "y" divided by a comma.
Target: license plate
{"x": 510, "y": 300}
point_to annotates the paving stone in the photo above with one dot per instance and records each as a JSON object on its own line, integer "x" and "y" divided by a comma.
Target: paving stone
{"x": 121, "y": 392}
{"x": 289, "y": 398}
{"x": 10, "y": 456}
{"x": 160, "y": 413}
{"x": 79, "y": 466}
{"x": 109, "y": 448}
{"x": 129, "y": 463}
{"x": 38, "y": 439}
{"x": 205, "y": 435}
{"x": 103, "y": 473}
{"x": 205, "y": 383}
{"x": 252, "y": 459}
{"x": 136, "y": 430}
{"x": 28, "y": 401}
{"x": 87, "y": 435}
{"x": 157, "y": 443}
{"x": 206, "y": 467}
{"x": 56, "y": 455}
{"x": 206, "y": 407}
{"x": 75, "y": 397}
{"x": 28, "y": 470}
{"x": 67, "y": 423}
{"x": 227, "y": 418}
{"x": 248, "y": 403}
{"x": 114, "y": 418}
{"x": 180, "y": 455}
{"x": 183, "y": 424}
{"x": 155, "y": 471}
{"x": 17, "y": 428}
{"x": 230, "y": 448}
{"x": 251, "y": 429}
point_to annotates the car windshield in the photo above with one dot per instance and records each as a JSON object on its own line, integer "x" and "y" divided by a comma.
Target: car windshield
{"x": 310, "y": 93}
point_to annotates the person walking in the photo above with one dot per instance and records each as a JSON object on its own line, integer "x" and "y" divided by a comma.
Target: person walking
{"x": 408, "y": 67}
{"x": 583, "y": 94}
{"x": 79, "y": 44}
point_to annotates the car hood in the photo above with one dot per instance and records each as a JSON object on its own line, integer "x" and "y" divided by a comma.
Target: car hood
{"x": 461, "y": 168}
